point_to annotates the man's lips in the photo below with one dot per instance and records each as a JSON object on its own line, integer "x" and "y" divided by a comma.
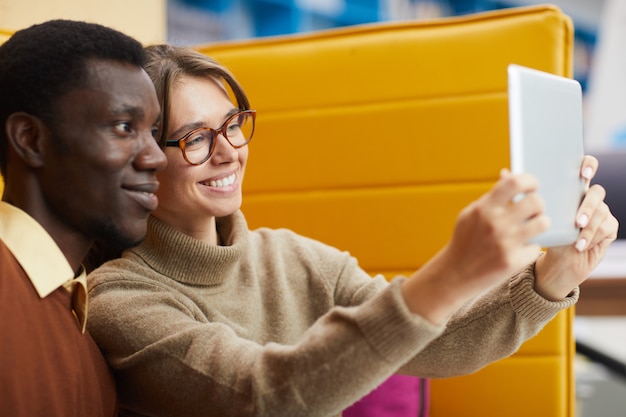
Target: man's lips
{"x": 144, "y": 194}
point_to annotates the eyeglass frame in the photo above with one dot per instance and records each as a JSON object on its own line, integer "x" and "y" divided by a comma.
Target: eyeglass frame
{"x": 180, "y": 143}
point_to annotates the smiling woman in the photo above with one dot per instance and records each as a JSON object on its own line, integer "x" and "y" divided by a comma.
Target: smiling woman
{"x": 273, "y": 323}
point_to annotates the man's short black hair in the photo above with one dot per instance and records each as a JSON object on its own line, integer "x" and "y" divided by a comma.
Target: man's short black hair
{"x": 41, "y": 63}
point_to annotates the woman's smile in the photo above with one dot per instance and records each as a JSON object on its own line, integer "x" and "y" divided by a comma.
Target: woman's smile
{"x": 222, "y": 182}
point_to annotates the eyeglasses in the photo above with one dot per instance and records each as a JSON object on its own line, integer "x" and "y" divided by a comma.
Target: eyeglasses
{"x": 198, "y": 145}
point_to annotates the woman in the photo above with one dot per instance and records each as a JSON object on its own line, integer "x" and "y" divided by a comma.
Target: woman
{"x": 208, "y": 318}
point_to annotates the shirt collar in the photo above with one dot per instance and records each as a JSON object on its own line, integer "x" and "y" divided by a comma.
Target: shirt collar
{"x": 34, "y": 249}
{"x": 80, "y": 303}
{"x": 41, "y": 258}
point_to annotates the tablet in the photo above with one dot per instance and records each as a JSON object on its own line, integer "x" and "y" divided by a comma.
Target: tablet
{"x": 546, "y": 140}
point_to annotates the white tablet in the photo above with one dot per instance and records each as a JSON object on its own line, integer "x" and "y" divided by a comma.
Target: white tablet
{"x": 546, "y": 140}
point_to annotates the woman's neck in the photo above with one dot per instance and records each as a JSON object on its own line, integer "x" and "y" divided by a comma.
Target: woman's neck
{"x": 205, "y": 231}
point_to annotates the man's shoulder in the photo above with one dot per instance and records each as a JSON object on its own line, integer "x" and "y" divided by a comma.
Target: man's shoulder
{"x": 9, "y": 265}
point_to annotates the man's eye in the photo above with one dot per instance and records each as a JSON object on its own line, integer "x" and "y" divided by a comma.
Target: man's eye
{"x": 123, "y": 127}
{"x": 156, "y": 132}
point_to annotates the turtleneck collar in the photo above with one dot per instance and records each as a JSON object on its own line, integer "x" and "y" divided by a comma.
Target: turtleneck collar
{"x": 191, "y": 261}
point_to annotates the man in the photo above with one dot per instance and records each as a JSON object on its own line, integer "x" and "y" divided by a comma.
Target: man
{"x": 78, "y": 157}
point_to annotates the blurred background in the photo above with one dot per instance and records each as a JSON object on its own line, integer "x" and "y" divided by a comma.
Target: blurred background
{"x": 600, "y": 33}
{"x": 599, "y": 66}
{"x": 599, "y": 27}
{"x": 237, "y": 19}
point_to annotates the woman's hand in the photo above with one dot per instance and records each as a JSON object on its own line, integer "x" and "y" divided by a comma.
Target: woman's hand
{"x": 564, "y": 268}
{"x": 489, "y": 244}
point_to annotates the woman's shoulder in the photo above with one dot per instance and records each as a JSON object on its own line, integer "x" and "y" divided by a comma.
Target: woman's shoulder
{"x": 125, "y": 269}
{"x": 290, "y": 240}
{"x": 287, "y": 247}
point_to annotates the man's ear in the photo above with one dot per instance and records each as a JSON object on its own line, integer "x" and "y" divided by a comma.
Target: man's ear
{"x": 25, "y": 133}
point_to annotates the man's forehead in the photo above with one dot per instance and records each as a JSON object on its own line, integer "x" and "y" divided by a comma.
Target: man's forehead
{"x": 98, "y": 71}
{"x": 111, "y": 91}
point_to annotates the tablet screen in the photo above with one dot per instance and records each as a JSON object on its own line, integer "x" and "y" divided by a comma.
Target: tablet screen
{"x": 546, "y": 140}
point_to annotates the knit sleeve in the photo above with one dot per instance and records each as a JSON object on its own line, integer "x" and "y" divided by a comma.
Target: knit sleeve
{"x": 169, "y": 364}
{"x": 489, "y": 327}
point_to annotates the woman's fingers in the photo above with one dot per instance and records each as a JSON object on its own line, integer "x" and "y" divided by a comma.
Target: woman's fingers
{"x": 595, "y": 219}
{"x": 588, "y": 169}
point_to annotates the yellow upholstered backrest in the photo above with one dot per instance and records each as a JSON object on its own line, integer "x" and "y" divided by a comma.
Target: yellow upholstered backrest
{"x": 372, "y": 138}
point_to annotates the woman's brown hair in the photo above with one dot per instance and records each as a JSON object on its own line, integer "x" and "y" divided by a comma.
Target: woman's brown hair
{"x": 166, "y": 64}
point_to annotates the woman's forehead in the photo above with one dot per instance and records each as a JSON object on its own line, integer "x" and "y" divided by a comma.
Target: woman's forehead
{"x": 197, "y": 99}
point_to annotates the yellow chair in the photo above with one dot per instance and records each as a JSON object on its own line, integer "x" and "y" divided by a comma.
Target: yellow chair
{"x": 372, "y": 138}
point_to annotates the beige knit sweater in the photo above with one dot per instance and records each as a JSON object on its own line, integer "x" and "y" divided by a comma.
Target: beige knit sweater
{"x": 275, "y": 324}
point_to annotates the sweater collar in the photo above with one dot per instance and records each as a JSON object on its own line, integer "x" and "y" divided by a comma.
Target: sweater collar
{"x": 191, "y": 261}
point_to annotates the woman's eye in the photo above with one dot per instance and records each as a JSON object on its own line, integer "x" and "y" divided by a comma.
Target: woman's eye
{"x": 195, "y": 141}
{"x": 234, "y": 126}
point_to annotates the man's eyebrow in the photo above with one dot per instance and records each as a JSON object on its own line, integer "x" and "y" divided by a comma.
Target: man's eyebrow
{"x": 136, "y": 111}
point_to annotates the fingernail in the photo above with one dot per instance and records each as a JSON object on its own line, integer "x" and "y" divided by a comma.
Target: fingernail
{"x": 581, "y": 245}
{"x": 587, "y": 173}
{"x": 583, "y": 220}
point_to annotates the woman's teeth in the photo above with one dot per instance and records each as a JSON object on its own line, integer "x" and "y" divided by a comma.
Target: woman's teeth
{"x": 224, "y": 182}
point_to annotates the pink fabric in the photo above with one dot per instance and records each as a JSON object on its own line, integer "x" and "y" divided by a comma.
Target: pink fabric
{"x": 399, "y": 396}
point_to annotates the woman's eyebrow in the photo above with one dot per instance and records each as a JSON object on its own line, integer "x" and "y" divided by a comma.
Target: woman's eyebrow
{"x": 188, "y": 127}
{"x": 232, "y": 112}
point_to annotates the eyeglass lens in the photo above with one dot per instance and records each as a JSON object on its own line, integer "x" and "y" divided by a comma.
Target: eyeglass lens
{"x": 200, "y": 143}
